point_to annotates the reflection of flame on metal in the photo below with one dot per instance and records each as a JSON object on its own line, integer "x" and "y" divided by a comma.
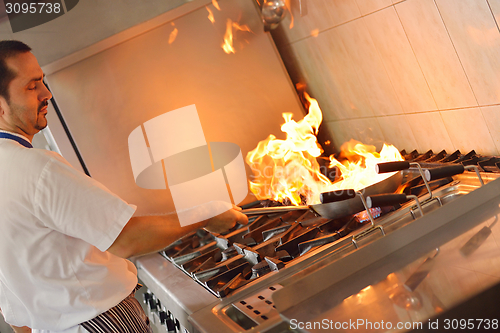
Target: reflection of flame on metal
{"x": 210, "y": 15}
{"x": 227, "y": 46}
{"x": 289, "y": 8}
{"x": 364, "y": 296}
{"x": 363, "y": 216}
{"x": 366, "y": 289}
{"x": 287, "y": 170}
{"x": 173, "y": 34}
{"x": 406, "y": 299}
{"x": 216, "y": 4}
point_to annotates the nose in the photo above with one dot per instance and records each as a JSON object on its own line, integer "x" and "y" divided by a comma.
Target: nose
{"x": 45, "y": 94}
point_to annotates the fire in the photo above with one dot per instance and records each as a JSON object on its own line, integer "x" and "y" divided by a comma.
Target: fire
{"x": 359, "y": 170}
{"x": 288, "y": 170}
{"x": 210, "y": 15}
{"x": 173, "y": 34}
{"x": 227, "y": 46}
{"x": 216, "y": 4}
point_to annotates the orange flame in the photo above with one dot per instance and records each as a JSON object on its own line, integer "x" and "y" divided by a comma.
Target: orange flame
{"x": 210, "y": 15}
{"x": 359, "y": 170}
{"x": 288, "y": 169}
{"x": 173, "y": 34}
{"x": 216, "y": 4}
{"x": 227, "y": 46}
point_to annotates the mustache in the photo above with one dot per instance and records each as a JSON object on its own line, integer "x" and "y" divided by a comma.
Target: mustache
{"x": 42, "y": 105}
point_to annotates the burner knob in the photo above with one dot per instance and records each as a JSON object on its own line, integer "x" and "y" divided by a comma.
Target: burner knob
{"x": 169, "y": 323}
{"x": 163, "y": 317}
{"x": 152, "y": 304}
{"x": 158, "y": 304}
{"x": 146, "y": 297}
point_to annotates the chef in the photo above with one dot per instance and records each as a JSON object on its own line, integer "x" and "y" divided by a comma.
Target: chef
{"x": 64, "y": 237}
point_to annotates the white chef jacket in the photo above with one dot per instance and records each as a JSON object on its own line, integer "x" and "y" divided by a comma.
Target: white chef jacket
{"x": 55, "y": 226}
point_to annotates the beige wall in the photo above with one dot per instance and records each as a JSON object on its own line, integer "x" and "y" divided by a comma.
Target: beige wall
{"x": 89, "y": 22}
{"x": 419, "y": 74}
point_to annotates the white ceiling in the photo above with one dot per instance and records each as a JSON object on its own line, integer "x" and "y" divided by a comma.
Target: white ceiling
{"x": 88, "y": 23}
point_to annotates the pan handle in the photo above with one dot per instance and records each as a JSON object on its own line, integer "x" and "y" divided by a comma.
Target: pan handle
{"x": 334, "y": 196}
{"x": 339, "y": 195}
{"x": 380, "y": 200}
{"x": 443, "y": 172}
{"x": 391, "y": 166}
{"x": 401, "y": 165}
{"x": 450, "y": 170}
{"x": 272, "y": 210}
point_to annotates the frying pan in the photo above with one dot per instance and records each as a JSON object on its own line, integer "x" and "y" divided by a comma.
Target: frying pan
{"x": 337, "y": 204}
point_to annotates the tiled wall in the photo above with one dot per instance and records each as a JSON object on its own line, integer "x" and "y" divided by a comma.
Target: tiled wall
{"x": 419, "y": 74}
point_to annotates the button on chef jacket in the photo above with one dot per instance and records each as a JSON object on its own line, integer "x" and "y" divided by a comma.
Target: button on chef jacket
{"x": 55, "y": 226}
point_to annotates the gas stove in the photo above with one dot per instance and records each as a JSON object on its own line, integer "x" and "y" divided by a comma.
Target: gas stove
{"x": 257, "y": 277}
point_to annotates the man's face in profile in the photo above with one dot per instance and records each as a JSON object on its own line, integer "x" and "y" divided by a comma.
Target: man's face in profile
{"x": 26, "y": 108}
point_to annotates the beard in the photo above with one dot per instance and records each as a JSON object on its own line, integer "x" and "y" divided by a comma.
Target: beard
{"x": 40, "y": 125}
{"x": 25, "y": 118}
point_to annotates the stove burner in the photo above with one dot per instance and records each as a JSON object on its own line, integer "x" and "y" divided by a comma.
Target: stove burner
{"x": 363, "y": 216}
{"x": 229, "y": 253}
{"x": 274, "y": 263}
{"x": 429, "y": 159}
{"x": 262, "y": 268}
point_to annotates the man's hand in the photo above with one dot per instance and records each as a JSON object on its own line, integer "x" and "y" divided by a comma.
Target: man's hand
{"x": 226, "y": 220}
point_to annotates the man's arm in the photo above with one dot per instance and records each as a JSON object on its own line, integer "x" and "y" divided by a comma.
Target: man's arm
{"x": 147, "y": 234}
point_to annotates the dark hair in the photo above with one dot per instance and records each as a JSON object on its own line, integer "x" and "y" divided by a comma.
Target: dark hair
{"x": 9, "y": 48}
